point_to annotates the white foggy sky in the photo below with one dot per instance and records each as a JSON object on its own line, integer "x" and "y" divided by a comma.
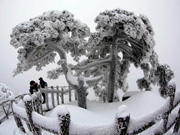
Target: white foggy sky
{"x": 163, "y": 15}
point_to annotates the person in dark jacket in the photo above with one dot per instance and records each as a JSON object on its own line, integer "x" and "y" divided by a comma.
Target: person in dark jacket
{"x": 43, "y": 84}
{"x": 33, "y": 87}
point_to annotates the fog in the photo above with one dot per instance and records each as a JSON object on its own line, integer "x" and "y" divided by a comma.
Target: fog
{"x": 163, "y": 15}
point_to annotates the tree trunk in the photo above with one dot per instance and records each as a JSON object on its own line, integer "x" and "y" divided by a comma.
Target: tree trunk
{"x": 112, "y": 74}
{"x": 81, "y": 95}
{"x": 81, "y": 92}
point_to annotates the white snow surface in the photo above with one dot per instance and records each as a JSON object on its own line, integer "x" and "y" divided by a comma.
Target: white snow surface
{"x": 122, "y": 112}
{"x": 172, "y": 83}
{"x": 71, "y": 78}
{"x": 136, "y": 123}
{"x": 98, "y": 119}
{"x": 74, "y": 80}
{"x": 49, "y": 123}
{"x": 130, "y": 93}
{"x": 27, "y": 98}
{"x": 19, "y": 110}
{"x": 62, "y": 110}
{"x": 84, "y": 129}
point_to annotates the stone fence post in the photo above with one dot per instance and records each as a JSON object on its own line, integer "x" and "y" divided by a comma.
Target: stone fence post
{"x": 17, "y": 120}
{"x": 57, "y": 95}
{"x": 177, "y": 124}
{"x": 171, "y": 94}
{"x": 62, "y": 95}
{"x": 63, "y": 120}
{"x": 29, "y": 109}
{"x": 122, "y": 120}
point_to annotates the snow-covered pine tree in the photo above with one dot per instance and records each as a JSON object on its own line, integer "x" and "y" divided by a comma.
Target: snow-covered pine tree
{"x": 39, "y": 39}
{"x": 5, "y": 93}
{"x": 122, "y": 38}
{"x": 162, "y": 75}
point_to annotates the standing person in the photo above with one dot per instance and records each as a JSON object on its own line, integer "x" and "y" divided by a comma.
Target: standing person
{"x": 43, "y": 84}
{"x": 33, "y": 87}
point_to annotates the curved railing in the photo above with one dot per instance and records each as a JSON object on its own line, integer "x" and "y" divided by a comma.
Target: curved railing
{"x": 56, "y": 95}
{"x": 123, "y": 124}
{"x": 6, "y": 108}
{"x": 164, "y": 113}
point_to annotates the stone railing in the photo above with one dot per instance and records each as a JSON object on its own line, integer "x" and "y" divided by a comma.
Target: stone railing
{"x": 6, "y": 108}
{"x": 124, "y": 124}
{"x": 163, "y": 115}
{"x": 57, "y": 95}
{"x": 36, "y": 122}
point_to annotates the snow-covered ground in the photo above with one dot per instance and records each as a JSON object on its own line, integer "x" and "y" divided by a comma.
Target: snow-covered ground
{"x": 98, "y": 113}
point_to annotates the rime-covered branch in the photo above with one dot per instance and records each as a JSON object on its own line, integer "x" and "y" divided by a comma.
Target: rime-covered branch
{"x": 93, "y": 64}
{"x": 43, "y": 55}
{"x": 128, "y": 50}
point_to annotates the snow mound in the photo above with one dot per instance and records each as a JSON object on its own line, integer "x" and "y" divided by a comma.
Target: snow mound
{"x": 78, "y": 114}
{"x": 99, "y": 113}
{"x": 143, "y": 103}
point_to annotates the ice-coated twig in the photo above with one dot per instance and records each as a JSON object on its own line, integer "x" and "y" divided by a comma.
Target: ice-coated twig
{"x": 94, "y": 64}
